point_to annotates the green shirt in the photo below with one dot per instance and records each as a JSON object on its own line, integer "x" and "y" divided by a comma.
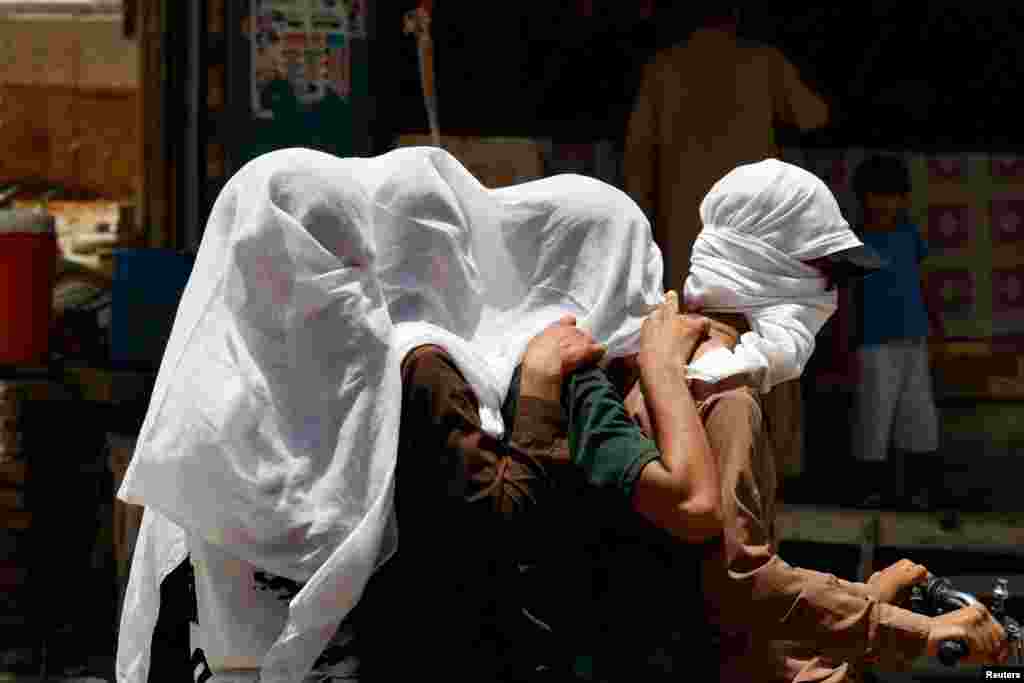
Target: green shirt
{"x": 626, "y": 636}
{"x": 588, "y": 584}
{"x": 604, "y": 442}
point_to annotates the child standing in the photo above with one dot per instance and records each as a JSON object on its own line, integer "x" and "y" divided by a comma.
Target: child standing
{"x": 895, "y": 425}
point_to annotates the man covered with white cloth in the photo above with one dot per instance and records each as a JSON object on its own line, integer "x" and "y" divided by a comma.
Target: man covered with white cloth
{"x": 773, "y": 246}
{"x": 270, "y": 449}
{"x": 270, "y": 444}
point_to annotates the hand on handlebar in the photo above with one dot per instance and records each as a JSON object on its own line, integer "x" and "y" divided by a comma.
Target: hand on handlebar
{"x": 894, "y": 583}
{"x": 985, "y": 638}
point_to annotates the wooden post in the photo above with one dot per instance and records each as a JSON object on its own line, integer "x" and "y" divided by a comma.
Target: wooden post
{"x": 155, "y": 198}
{"x": 865, "y": 567}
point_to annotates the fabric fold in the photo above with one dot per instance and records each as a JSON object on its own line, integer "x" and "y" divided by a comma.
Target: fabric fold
{"x": 272, "y": 430}
{"x": 762, "y": 222}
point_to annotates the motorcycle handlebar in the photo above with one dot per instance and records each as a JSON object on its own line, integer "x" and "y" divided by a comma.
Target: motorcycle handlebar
{"x": 940, "y": 593}
{"x": 952, "y": 651}
{"x": 937, "y": 596}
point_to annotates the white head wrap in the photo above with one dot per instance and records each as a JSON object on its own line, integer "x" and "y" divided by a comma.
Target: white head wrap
{"x": 273, "y": 427}
{"x": 761, "y": 222}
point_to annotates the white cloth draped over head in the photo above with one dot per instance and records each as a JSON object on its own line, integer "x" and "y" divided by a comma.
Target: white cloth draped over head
{"x": 506, "y": 263}
{"x": 761, "y": 222}
{"x": 272, "y": 430}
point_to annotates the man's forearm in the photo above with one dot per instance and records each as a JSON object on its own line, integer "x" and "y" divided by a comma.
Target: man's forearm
{"x": 837, "y": 618}
{"x": 679, "y": 432}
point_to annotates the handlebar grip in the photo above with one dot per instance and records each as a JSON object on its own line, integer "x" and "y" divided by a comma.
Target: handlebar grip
{"x": 952, "y": 651}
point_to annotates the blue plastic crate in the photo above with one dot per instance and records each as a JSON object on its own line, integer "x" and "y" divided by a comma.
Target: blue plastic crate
{"x": 147, "y": 287}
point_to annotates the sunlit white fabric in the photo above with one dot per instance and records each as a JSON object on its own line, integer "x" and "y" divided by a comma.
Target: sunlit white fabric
{"x": 761, "y": 222}
{"x": 272, "y": 430}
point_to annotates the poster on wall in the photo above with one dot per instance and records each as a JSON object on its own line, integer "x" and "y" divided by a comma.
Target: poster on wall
{"x": 301, "y": 54}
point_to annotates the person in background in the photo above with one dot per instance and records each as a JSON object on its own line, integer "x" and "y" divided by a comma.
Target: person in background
{"x": 704, "y": 107}
{"x": 896, "y": 424}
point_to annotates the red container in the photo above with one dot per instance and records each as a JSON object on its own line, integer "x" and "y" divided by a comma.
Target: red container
{"x": 28, "y": 267}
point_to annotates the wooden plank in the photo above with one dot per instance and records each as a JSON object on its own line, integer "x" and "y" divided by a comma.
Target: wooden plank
{"x": 24, "y": 134}
{"x": 923, "y": 529}
{"x": 822, "y": 525}
{"x": 154, "y": 192}
{"x": 216, "y": 87}
{"x": 216, "y": 16}
{"x": 866, "y": 566}
{"x": 837, "y": 525}
{"x": 80, "y": 137}
{"x": 107, "y": 158}
{"x": 63, "y": 125}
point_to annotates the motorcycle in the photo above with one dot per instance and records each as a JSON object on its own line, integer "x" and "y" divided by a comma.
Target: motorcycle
{"x": 938, "y": 596}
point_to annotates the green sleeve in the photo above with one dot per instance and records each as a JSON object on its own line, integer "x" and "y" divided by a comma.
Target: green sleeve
{"x": 603, "y": 441}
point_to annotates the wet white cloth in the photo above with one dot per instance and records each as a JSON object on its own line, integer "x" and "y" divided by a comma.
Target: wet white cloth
{"x": 429, "y": 217}
{"x": 272, "y": 430}
{"x": 506, "y": 263}
{"x": 241, "y": 612}
{"x": 581, "y": 247}
{"x": 761, "y": 222}
{"x": 160, "y": 548}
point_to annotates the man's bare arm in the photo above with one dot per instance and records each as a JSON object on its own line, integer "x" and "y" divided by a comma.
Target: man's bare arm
{"x": 680, "y": 491}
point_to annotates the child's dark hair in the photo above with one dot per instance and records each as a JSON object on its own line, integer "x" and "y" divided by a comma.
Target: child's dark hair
{"x": 881, "y": 174}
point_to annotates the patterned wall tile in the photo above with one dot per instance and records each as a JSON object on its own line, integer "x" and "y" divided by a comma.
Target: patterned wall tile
{"x": 1008, "y": 300}
{"x": 1006, "y": 218}
{"x": 950, "y": 226}
{"x": 947, "y": 168}
{"x": 1007, "y": 169}
{"x": 956, "y": 288}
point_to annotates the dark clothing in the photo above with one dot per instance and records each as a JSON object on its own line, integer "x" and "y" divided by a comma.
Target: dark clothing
{"x": 623, "y": 632}
{"x": 447, "y": 602}
{"x": 512, "y": 566}
{"x": 170, "y": 650}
